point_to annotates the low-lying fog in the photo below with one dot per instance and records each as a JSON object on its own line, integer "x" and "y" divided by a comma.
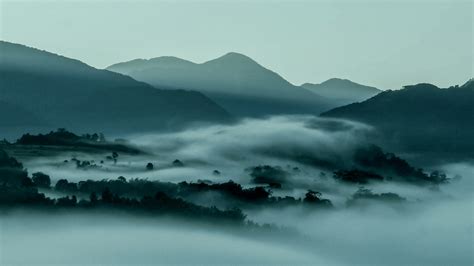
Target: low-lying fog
{"x": 438, "y": 232}
{"x": 434, "y": 227}
{"x": 231, "y": 150}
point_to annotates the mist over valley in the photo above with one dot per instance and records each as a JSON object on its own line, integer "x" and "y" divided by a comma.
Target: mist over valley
{"x": 237, "y": 133}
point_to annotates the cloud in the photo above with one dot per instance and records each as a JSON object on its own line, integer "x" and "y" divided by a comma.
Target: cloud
{"x": 434, "y": 226}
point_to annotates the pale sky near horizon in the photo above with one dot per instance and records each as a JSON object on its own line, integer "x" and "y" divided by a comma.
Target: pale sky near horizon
{"x": 384, "y": 43}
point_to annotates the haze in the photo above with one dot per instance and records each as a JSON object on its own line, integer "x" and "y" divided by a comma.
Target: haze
{"x": 308, "y": 41}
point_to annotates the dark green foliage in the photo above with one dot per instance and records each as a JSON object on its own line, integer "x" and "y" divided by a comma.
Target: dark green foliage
{"x": 41, "y": 180}
{"x": 367, "y": 194}
{"x": 12, "y": 196}
{"x": 250, "y": 197}
{"x": 314, "y": 198}
{"x": 9, "y": 162}
{"x": 123, "y": 187}
{"x": 65, "y": 186}
{"x": 12, "y": 172}
{"x": 178, "y": 163}
{"x": 66, "y": 201}
{"x": 266, "y": 174}
{"x": 136, "y": 196}
{"x": 374, "y": 159}
{"x": 230, "y": 189}
{"x": 15, "y": 185}
{"x": 159, "y": 204}
{"x": 357, "y": 176}
{"x": 420, "y": 118}
{"x": 17, "y": 190}
{"x": 231, "y": 192}
{"x": 62, "y": 137}
{"x": 85, "y": 164}
{"x": 149, "y": 166}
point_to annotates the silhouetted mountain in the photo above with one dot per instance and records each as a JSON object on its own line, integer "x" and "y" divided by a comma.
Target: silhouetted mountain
{"x": 421, "y": 117}
{"x": 65, "y": 92}
{"x": 342, "y": 91}
{"x": 234, "y": 81}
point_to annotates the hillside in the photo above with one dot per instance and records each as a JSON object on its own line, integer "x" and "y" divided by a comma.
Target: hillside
{"x": 234, "y": 81}
{"x": 419, "y": 118}
{"x": 342, "y": 90}
{"x": 68, "y": 93}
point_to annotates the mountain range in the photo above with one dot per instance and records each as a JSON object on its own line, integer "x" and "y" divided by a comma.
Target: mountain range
{"x": 242, "y": 86}
{"x": 419, "y": 118}
{"x": 342, "y": 91}
{"x": 42, "y": 90}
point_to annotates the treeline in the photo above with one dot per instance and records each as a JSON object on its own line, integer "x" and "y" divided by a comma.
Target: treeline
{"x": 18, "y": 190}
{"x": 363, "y": 195}
{"x": 373, "y": 164}
{"x": 62, "y": 137}
{"x": 230, "y": 192}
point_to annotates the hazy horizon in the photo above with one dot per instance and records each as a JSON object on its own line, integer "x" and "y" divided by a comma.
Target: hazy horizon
{"x": 324, "y": 40}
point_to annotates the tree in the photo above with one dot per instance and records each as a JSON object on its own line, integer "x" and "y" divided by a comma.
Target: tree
{"x": 93, "y": 198}
{"x": 41, "y": 180}
{"x": 178, "y": 163}
{"x": 312, "y": 196}
{"x": 102, "y": 138}
{"x": 149, "y": 166}
{"x": 64, "y": 185}
{"x": 107, "y": 196}
{"x": 95, "y": 137}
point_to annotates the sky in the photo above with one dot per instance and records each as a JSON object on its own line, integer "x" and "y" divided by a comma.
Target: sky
{"x": 386, "y": 43}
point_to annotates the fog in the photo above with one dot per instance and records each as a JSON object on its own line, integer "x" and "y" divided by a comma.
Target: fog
{"x": 438, "y": 231}
{"x": 434, "y": 226}
{"x": 435, "y": 232}
{"x": 93, "y": 239}
{"x": 282, "y": 141}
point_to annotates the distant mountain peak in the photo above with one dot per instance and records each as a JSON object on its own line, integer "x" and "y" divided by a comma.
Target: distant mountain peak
{"x": 234, "y": 59}
{"x": 421, "y": 86}
{"x": 169, "y": 60}
{"x": 237, "y": 56}
{"x": 65, "y": 92}
{"x": 231, "y": 59}
{"x": 344, "y": 90}
{"x": 338, "y": 81}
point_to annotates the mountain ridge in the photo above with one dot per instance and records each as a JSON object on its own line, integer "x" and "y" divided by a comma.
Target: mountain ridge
{"x": 233, "y": 80}
{"x": 421, "y": 117}
{"x": 69, "y": 93}
{"x": 344, "y": 91}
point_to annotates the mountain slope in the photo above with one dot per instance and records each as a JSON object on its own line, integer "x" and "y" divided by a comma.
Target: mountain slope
{"x": 342, "y": 90}
{"x": 234, "y": 81}
{"x": 68, "y": 93}
{"x": 421, "y": 117}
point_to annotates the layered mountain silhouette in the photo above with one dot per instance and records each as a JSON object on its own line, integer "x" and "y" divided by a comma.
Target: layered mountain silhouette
{"x": 234, "y": 81}
{"x": 55, "y": 91}
{"x": 342, "y": 91}
{"x": 420, "y": 118}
